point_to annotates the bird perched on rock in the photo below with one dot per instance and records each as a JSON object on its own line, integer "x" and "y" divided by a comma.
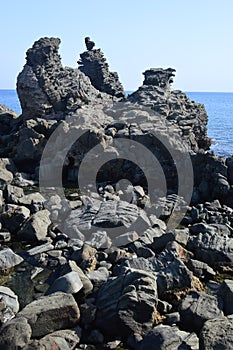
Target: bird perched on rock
{"x": 89, "y": 44}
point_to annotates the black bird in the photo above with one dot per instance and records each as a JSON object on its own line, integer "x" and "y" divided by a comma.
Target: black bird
{"x": 89, "y": 44}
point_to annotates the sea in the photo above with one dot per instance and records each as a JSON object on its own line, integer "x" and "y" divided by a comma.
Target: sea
{"x": 218, "y": 105}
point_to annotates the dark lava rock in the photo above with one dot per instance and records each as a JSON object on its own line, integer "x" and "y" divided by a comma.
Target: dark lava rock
{"x": 217, "y": 333}
{"x": 226, "y": 293}
{"x": 51, "y": 313}
{"x": 94, "y": 65}
{"x": 212, "y": 244}
{"x": 168, "y": 338}
{"x": 126, "y": 304}
{"x": 196, "y": 308}
{"x": 170, "y": 272}
{"x": 45, "y": 87}
{"x": 174, "y": 105}
{"x": 66, "y": 339}
{"x": 15, "y": 334}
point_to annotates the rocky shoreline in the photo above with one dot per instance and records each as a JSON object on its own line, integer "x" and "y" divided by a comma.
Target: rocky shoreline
{"x": 116, "y": 222}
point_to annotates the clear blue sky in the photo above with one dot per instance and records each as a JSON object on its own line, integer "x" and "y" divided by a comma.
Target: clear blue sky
{"x": 194, "y": 37}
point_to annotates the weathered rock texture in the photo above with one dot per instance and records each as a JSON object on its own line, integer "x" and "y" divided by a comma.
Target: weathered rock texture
{"x": 135, "y": 278}
{"x": 173, "y": 105}
{"x": 94, "y": 65}
{"x": 46, "y": 87}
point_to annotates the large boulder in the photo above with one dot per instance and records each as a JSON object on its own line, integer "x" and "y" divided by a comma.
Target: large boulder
{"x": 170, "y": 272}
{"x": 7, "y": 168}
{"x": 8, "y": 258}
{"x": 226, "y": 293}
{"x": 9, "y": 304}
{"x": 15, "y": 334}
{"x": 168, "y": 338}
{"x": 50, "y": 313}
{"x": 196, "y": 308}
{"x": 66, "y": 339}
{"x": 14, "y": 216}
{"x": 35, "y": 229}
{"x": 126, "y": 304}
{"x": 68, "y": 283}
{"x": 217, "y": 333}
{"x": 213, "y": 244}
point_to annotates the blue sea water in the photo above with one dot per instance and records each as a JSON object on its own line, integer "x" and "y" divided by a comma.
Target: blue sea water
{"x": 10, "y": 99}
{"x": 219, "y": 107}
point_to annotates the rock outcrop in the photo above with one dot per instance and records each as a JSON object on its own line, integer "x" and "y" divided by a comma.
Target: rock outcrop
{"x": 45, "y": 87}
{"x": 93, "y": 64}
{"x": 173, "y": 105}
{"x": 96, "y": 259}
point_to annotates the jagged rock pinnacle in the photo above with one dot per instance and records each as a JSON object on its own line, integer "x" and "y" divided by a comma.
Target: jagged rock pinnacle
{"x": 89, "y": 44}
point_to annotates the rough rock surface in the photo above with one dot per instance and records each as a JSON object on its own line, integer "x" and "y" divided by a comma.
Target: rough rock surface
{"x": 133, "y": 168}
{"x": 46, "y": 87}
{"x": 35, "y": 229}
{"x": 196, "y": 308}
{"x": 212, "y": 244}
{"x": 127, "y": 303}
{"x": 94, "y": 65}
{"x": 170, "y": 338}
{"x": 217, "y": 333}
{"x": 170, "y": 272}
{"x": 50, "y": 313}
{"x": 226, "y": 293}
{"x": 15, "y": 334}
{"x": 9, "y": 304}
{"x": 60, "y": 340}
{"x": 174, "y": 105}
{"x": 8, "y": 258}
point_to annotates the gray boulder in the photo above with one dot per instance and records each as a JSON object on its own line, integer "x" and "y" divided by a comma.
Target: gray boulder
{"x": 15, "y": 334}
{"x": 217, "y": 333}
{"x": 226, "y": 293}
{"x": 35, "y": 229}
{"x": 68, "y": 283}
{"x": 212, "y": 243}
{"x": 7, "y": 168}
{"x": 14, "y": 216}
{"x": 50, "y": 313}
{"x": 13, "y": 194}
{"x": 34, "y": 198}
{"x": 99, "y": 240}
{"x": 196, "y": 308}
{"x": 126, "y": 304}
{"x": 72, "y": 266}
{"x": 200, "y": 269}
{"x": 85, "y": 257}
{"x": 125, "y": 238}
{"x": 98, "y": 276}
{"x": 170, "y": 272}
{"x": 9, "y": 304}
{"x": 66, "y": 339}
{"x": 8, "y": 258}
{"x": 168, "y": 338}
